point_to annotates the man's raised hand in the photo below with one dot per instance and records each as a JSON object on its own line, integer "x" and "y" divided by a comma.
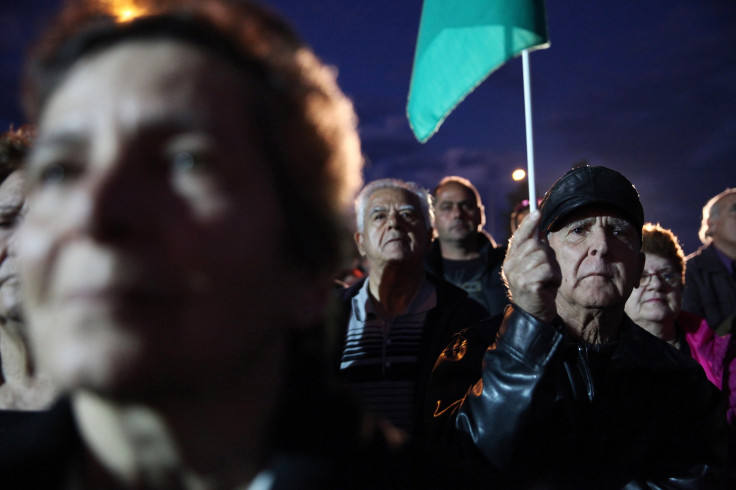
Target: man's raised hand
{"x": 531, "y": 270}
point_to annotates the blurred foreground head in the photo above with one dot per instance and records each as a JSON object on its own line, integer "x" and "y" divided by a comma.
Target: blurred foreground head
{"x": 14, "y": 146}
{"x": 22, "y": 387}
{"x": 188, "y": 194}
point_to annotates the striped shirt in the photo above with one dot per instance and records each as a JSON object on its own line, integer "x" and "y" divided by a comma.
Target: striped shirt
{"x": 379, "y": 361}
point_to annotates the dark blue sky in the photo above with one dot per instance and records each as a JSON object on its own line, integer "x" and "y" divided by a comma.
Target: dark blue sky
{"x": 645, "y": 87}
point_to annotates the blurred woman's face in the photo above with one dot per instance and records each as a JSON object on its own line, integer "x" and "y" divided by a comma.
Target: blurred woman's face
{"x": 659, "y": 295}
{"x": 151, "y": 254}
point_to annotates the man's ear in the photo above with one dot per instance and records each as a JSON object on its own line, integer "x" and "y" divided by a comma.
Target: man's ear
{"x": 712, "y": 226}
{"x": 358, "y": 237}
{"x": 482, "y": 211}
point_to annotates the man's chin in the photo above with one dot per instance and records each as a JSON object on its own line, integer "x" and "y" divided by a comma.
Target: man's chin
{"x": 604, "y": 296}
{"x": 458, "y": 235}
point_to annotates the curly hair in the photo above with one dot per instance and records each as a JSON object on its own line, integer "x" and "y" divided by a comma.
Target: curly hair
{"x": 14, "y": 146}
{"x": 660, "y": 241}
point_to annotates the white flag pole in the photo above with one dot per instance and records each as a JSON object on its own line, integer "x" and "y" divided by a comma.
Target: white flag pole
{"x": 529, "y": 136}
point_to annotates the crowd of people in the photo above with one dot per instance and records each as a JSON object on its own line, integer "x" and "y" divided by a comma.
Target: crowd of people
{"x": 177, "y": 219}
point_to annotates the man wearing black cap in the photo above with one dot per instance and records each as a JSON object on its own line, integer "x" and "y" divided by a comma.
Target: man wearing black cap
{"x": 573, "y": 394}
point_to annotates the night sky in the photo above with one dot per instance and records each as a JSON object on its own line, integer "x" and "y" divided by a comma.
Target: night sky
{"x": 645, "y": 87}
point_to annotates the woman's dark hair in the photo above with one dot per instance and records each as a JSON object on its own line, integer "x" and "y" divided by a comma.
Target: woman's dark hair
{"x": 306, "y": 126}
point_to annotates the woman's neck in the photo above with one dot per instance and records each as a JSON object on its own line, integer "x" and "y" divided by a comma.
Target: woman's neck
{"x": 664, "y": 330}
{"x": 216, "y": 438}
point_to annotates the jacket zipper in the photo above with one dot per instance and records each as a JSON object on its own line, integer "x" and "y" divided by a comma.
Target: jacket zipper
{"x": 585, "y": 371}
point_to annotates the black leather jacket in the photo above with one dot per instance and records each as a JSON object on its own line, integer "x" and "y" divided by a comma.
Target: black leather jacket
{"x": 550, "y": 412}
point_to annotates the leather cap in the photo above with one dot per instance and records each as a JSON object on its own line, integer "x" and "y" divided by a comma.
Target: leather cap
{"x": 585, "y": 186}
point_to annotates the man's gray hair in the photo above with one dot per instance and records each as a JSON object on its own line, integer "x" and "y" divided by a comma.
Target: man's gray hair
{"x": 422, "y": 195}
{"x": 711, "y": 210}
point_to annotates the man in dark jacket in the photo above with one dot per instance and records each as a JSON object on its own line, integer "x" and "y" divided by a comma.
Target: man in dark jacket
{"x": 573, "y": 394}
{"x": 399, "y": 318}
{"x": 710, "y": 276}
{"x": 463, "y": 253}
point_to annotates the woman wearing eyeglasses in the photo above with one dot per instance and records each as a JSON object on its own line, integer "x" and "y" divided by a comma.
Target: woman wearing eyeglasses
{"x": 655, "y": 304}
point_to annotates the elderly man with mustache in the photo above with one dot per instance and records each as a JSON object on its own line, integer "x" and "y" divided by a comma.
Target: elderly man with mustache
{"x": 400, "y": 317}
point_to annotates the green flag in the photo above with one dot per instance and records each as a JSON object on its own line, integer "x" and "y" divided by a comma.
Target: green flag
{"x": 460, "y": 43}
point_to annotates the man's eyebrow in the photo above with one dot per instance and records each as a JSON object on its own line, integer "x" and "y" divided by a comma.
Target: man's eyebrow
{"x": 377, "y": 209}
{"x": 405, "y": 207}
{"x": 621, "y": 221}
{"x": 580, "y": 222}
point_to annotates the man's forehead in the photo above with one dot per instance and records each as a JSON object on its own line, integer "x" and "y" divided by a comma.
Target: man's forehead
{"x": 467, "y": 194}
{"x": 591, "y": 212}
{"x": 392, "y": 196}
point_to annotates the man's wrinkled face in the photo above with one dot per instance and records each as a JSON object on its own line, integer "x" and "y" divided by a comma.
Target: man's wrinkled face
{"x": 12, "y": 209}
{"x": 723, "y": 226}
{"x": 458, "y": 215}
{"x": 150, "y": 253}
{"x": 599, "y": 257}
{"x": 394, "y": 230}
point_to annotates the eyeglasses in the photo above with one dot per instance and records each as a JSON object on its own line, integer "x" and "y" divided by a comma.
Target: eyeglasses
{"x": 669, "y": 277}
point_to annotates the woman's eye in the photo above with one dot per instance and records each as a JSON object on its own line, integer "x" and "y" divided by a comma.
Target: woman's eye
{"x": 669, "y": 277}
{"x": 9, "y": 220}
{"x": 183, "y": 162}
{"x": 54, "y": 173}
